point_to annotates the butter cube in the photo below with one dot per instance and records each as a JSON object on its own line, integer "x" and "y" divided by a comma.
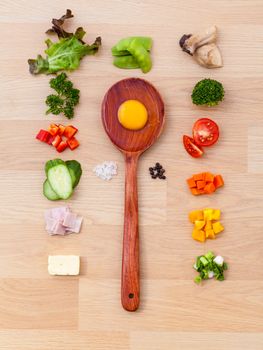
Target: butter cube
{"x": 63, "y": 265}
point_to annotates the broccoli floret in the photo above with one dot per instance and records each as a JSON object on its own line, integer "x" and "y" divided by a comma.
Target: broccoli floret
{"x": 208, "y": 92}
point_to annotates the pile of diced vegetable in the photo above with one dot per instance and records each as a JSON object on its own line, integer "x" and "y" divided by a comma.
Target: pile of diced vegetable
{"x": 59, "y": 136}
{"x": 210, "y": 266}
{"x": 204, "y": 183}
{"x": 206, "y": 224}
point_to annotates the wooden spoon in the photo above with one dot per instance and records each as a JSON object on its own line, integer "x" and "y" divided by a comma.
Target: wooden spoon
{"x": 132, "y": 144}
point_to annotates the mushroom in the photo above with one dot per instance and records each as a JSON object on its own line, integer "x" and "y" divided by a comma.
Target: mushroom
{"x": 190, "y": 42}
{"x": 209, "y": 56}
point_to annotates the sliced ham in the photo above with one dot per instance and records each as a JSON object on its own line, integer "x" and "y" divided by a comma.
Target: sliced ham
{"x": 61, "y": 221}
{"x": 69, "y": 219}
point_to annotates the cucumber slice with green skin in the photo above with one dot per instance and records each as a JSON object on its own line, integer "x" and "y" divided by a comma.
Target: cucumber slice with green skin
{"x": 52, "y": 163}
{"x": 59, "y": 178}
{"x": 48, "y": 192}
{"x": 75, "y": 171}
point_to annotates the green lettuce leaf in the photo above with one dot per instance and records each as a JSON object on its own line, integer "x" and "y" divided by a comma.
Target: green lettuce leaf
{"x": 66, "y": 53}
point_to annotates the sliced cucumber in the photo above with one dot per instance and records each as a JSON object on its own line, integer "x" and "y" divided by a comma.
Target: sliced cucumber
{"x": 48, "y": 192}
{"x": 59, "y": 178}
{"x": 75, "y": 171}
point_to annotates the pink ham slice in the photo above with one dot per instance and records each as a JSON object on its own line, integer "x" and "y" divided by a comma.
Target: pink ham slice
{"x": 60, "y": 221}
{"x": 76, "y": 225}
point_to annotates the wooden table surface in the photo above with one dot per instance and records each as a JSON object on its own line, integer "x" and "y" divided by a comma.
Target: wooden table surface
{"x": 41, "y": 312}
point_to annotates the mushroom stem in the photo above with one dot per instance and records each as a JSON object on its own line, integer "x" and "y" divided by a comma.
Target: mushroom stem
{"x": 190, "y": 43}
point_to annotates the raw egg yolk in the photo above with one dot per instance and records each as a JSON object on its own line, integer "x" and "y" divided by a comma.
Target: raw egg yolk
{"x": 132, "y": 115}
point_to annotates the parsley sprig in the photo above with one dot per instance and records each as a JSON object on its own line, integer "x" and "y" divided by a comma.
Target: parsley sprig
{"x": 66, "y": 98}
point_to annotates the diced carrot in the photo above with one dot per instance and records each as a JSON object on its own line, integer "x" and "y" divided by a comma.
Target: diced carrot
{"x": 209, "y": 177}
{"x": 191, "y": 182}
{"x": 200, "y": 184}
{"x": 198, "y": 177}
{"x": 218, "y": 181}
{"x": 195, "y": 191}
{"x": 73, "y": 143}
{"x": 209, "y": 188}
{"x": 61, "y": 129}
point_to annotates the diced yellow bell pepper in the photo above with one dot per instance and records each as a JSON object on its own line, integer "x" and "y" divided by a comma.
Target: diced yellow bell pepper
{"x": 208, "y": 225}
{"x": 217, "y": 227}
{"x": 198, "y": 235}
{"x": 216, "y": 214}
{"x": 199, "y": 224}
{"x": 210, "y": 234}
{"x": 208, "y": 214}
{"x": 196, "y": 215}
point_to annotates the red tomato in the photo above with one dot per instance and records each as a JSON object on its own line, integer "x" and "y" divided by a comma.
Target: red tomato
{"x": 191, "y": 147}
{"x": 205, "y": 132}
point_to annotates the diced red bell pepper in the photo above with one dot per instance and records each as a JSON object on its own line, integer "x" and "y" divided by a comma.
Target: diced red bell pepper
{"x": 43, "y": 136}
{"x": 50, "y": 139}
{"x": 62, "y": 146}
{"x": 73, "y": 143}
{"x": 57, "y": 141}
{"x": 61, "y": 129}
{"x": 70, "y": 131}
{"x": 53, "y": 129}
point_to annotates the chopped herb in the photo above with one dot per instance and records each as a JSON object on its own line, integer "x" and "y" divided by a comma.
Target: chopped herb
{"x": 66, "y": 98}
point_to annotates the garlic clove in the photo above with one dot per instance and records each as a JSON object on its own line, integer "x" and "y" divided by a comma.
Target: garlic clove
{"x": 209, "y": 56}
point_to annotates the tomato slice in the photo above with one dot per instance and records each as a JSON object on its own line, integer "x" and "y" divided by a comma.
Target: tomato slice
{"x": 205, "y": 132}
{"x": 190, "y": 147}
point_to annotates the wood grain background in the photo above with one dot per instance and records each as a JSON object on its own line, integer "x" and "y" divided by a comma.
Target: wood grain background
{"x": 42, "y": 312}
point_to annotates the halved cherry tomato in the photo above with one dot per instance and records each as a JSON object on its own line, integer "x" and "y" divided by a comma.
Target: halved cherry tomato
{"x": 205, "y": 132}
{"x": 191, "y": 147}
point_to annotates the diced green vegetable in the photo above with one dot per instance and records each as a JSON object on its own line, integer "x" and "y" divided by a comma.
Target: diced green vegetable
{"x": 203, "y": 260}
{"x": 48, "y": 192}
{"x": 59, "y": 178}
{"x": 208, "y": 268}
{"x": 75, "y": 171}
{"x": 209, "y": 256}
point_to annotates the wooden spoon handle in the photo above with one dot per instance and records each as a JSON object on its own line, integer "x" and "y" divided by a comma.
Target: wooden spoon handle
{"x": 130, "y": 284}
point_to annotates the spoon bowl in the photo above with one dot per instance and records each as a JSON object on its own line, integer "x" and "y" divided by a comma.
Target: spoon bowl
{"x": 132, "y": 143}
